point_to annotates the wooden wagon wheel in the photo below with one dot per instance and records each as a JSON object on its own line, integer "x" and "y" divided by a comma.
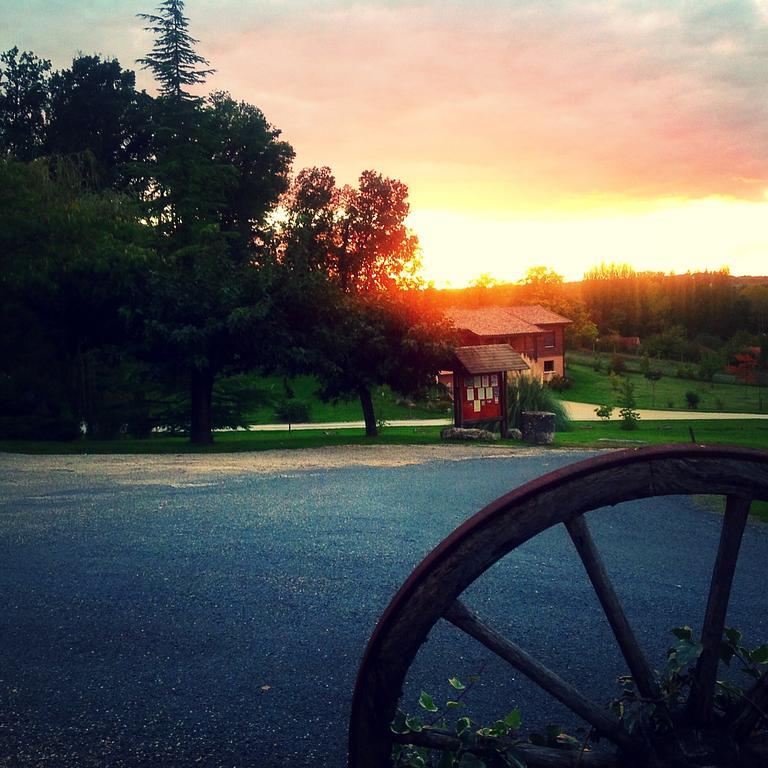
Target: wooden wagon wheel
{"x": 431, "y": 593}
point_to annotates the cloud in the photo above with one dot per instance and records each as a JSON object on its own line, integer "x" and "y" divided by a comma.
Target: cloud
{"x": 487, "y": 105}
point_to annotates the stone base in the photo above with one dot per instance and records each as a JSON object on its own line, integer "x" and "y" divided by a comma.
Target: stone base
{"x": 463, "y": 433}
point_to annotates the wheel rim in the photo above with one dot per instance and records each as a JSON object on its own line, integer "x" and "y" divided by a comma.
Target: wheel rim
{"x": 563, "y": 496}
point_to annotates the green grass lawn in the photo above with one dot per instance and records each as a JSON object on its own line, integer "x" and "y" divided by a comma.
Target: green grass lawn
{"x": 230, "y": 442}
{"x": 585, "y": 434}
{"x": 749, "y": 433}
{"x": 591, "y": 386}
{"x": 387, "y": 404}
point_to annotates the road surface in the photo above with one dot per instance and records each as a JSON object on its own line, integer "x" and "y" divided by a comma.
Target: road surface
{"x": 212, "y": 610}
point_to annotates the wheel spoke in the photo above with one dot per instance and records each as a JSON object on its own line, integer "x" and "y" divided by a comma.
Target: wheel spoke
{"x": 468, "y": 621}
{"x": 703, "y": 686}
{"x": 630, "y": 648}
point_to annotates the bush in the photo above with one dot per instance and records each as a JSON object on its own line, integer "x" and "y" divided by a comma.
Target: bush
{"x": 685, "y": 372}
{"x": 628, "y": 403}
{"x": 597, "y": 364}
{"x": 692, "y": 399}
{"x": 292, "y": 411}
{"x": 528, "y": 393}
{"x": 604, "y": 412}
{"x": 560, "y": 383}
{"x": 618, "y": 364}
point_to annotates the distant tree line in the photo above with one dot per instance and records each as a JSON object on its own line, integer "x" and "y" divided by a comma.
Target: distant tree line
{"x": 153, "y": 248}
{"x": 691, "y": 316}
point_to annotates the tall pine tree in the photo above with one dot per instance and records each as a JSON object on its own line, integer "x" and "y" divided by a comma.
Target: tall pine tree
{"x": 173, "y": 59}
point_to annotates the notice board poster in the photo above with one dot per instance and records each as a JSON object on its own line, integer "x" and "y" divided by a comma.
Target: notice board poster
{"x": 481, "y": 397}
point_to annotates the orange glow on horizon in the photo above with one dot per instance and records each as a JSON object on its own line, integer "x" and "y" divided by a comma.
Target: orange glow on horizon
{"x": 671, "y": 236}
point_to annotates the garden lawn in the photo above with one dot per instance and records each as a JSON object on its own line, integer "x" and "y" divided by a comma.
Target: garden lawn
{"x": 387, "y": 404}
{"x": 231, "y": 442}
{"x": 750, "y": 433}
{"x": 590, "y": 386}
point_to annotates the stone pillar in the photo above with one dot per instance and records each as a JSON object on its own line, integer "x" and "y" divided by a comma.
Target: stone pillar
{"x": 538, "y": 427}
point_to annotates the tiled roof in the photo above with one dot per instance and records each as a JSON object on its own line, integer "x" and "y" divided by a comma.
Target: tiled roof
{"x": 502, "y": 321}
{"x": 489, "y": 321}
{"x": 538, "y": 315}
{"x": 489, "y": 358}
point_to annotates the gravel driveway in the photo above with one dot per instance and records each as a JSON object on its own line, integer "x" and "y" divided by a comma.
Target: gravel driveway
{"x": 212, "y": 610}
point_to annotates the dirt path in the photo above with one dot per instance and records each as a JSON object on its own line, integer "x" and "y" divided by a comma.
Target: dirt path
{"x": 586, "y": 412}
{"x": 20, "y": 469}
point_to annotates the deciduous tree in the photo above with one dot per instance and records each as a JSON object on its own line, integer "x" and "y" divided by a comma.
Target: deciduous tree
{"x": 23, "y": 102}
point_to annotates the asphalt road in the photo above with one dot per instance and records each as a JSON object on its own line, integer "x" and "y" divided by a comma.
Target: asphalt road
{"x": 220, "y": 621}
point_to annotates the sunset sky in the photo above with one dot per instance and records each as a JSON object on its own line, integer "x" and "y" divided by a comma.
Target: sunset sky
{"x": 529, "y": 132}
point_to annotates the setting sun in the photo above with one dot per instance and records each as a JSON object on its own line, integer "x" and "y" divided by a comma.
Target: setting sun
{"x": 675, "y": 236}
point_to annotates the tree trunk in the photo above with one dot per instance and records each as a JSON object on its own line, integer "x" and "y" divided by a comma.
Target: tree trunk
{"x": 370, "y": 418}
{"x": 202, "y": 395}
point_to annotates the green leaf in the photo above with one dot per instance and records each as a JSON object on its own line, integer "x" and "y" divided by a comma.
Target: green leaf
{"x": 759, "y": 655}
{"x": 399, "y": 724}
{"x": 463, "y": 724}
{"x": 726, "y": 652}
{"x": 447, "y": 760}
{"x": 733, "y": 636}
{"x": 568, "y": 741}
{"x": 514, "y": 719}
{"x": 683, "y": 633}
{"x": 451, "y": 704}
{"x": 414, "y": 724}
{"x": 427, "y": 702}
{"x": 688, "y": 653}
{"x": 456, "y": 683}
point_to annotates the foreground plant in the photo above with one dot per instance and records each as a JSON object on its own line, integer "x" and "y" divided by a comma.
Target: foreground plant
{"x": 445, "y": 737}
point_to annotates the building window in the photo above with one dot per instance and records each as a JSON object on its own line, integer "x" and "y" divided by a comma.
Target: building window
{"x": 549, "y": 366}
{"x": 549, "y": 339}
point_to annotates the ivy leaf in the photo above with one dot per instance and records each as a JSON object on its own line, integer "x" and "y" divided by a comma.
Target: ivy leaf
{"x": 451, "y": 704}
{"x": 513, "y": 719}
{"x": 686, "y": 633}
{"x": 686, "y": 654}
{"x": 399, "y": 724}
{"x": 463, "y": 724}
{"x": 427, "y": 702}
{"x": 414, "y": 724}
{"x": 759, "y": 655}
{"x": 726, "y": 652}
{"x": 733, "y": 636}
{"x": 456, "y": 683}
{"x": 568, "y": 741}
{"x": 447, "y": 760}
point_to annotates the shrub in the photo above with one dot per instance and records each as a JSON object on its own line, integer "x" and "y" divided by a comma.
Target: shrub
{"x": 560, "y": 383}
{"x": 685, "y": 372}
{"x": 628, "y": 403}
{"x": 604, "y": 412}
{"x": 597, "y": 364}
{"x": 528, "y": 393}
{"x": 614, "y": 379}
{"x": 292, "y": 411}
{"x": 692, "y": 399}
{"x": 618, "y": 364}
